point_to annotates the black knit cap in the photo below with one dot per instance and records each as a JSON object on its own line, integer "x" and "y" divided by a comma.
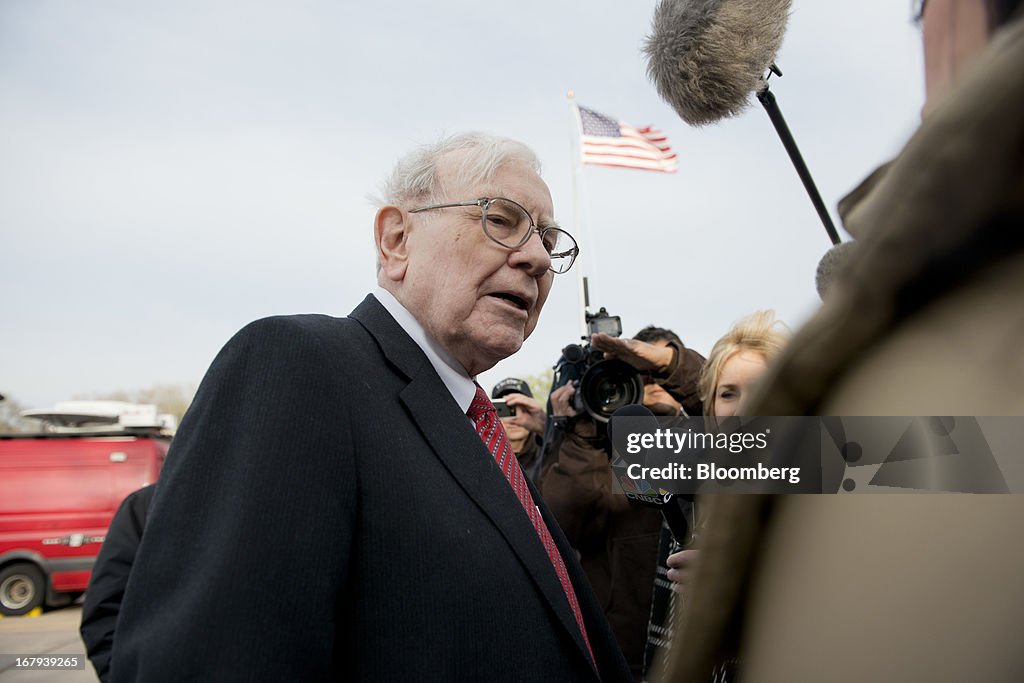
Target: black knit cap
{"x": 511, "y": 385}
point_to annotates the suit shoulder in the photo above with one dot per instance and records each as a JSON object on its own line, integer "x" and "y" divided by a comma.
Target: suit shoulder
{"x": 311, "y": 322}
{"x": 298, "y": 330}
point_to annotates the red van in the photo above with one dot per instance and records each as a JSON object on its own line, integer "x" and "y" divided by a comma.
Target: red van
{"x": 58, "y": 493}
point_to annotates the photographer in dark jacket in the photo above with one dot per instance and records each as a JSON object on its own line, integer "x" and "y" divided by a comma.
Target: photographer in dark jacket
{"x": 525, "y": 427}
{"x": 616, "y": 540}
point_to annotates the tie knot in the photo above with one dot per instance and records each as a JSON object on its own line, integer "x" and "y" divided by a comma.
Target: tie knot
{"x": 480, "y": 404}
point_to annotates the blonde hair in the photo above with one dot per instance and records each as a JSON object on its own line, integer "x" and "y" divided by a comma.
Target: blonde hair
{"x": 759, "y": 332}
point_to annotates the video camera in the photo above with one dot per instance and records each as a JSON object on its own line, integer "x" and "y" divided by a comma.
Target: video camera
{"x": 602, "y": 386}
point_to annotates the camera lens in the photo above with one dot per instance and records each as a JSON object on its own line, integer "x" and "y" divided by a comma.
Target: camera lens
{"x": 609, "y": 385}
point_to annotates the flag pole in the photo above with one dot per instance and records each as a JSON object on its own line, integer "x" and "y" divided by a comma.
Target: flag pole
{"x": 574, "y": 162}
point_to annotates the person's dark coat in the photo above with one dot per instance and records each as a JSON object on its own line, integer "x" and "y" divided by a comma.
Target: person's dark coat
{"x": 109, "y": 577}
{"x": 328, "y": 512}
{"x": 617, "y": 541}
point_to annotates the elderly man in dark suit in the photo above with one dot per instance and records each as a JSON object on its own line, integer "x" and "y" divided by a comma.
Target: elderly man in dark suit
{"x": 341, "y": 502}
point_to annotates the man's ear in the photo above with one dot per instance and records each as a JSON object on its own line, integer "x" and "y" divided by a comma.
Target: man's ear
{"x": 391, "y": 231}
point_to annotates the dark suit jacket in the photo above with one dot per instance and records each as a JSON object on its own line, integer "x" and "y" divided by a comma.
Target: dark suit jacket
{"x": 328, "y": 512}
{"x": 109, "y": 577}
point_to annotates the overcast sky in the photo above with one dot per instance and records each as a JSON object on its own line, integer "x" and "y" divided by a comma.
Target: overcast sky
{"x": 171, "y": 171}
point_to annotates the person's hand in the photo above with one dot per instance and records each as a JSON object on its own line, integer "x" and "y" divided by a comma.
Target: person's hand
{"x": 643, "y": 356}
{"x": 529, "y": 415}
{"x": 561, "y": 401}
{"x": 681, "y": 567}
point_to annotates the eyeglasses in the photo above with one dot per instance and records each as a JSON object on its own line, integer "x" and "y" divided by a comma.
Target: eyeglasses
{"x": 509, "y": 224}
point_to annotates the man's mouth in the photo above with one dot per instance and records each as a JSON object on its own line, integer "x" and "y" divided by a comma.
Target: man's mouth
{"x": 513, "y": 299}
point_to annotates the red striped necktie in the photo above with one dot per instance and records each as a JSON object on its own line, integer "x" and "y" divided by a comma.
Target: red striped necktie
{"x": 492, "y": 432}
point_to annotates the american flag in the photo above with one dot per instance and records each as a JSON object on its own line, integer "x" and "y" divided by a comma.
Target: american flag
{"x": 607, "y": 142}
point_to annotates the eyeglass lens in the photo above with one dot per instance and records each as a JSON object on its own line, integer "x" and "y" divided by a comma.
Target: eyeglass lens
{"x": 510, "y": 225}
{"x": 506, "y": 223}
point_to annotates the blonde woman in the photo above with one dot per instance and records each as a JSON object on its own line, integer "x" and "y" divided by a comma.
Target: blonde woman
{"x": 738, "y": 360}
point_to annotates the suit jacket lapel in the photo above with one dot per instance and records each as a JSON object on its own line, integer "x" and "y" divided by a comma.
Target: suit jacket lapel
{"x": 453, "y": 439}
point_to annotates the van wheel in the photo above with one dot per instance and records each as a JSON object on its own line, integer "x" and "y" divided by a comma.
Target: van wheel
{"x": 21, "y": 589}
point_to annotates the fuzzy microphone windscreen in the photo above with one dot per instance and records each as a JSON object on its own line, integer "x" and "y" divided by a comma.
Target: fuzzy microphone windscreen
{"x": 706, "y": 57}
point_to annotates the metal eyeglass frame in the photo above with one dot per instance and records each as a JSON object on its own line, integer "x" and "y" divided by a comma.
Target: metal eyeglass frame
{"x": 484, "y": 202}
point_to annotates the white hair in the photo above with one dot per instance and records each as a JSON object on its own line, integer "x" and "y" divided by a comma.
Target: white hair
{"x": 415, "y": 175}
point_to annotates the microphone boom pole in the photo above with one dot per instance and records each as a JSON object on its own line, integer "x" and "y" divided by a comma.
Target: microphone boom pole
{"x": 707, "y": 56}
{"x": 767, "y": 99}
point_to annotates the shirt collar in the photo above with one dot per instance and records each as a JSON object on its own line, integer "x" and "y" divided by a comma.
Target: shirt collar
{"x": 460, "y": 385}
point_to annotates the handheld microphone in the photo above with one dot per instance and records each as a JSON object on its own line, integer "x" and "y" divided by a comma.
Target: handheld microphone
{"x": 633, "y": 410}
{"x": 671, "y": 505}
{"x": 706, "y": 57}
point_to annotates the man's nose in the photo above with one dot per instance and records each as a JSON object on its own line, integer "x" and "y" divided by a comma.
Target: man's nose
{"x": 532, "y": 256}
